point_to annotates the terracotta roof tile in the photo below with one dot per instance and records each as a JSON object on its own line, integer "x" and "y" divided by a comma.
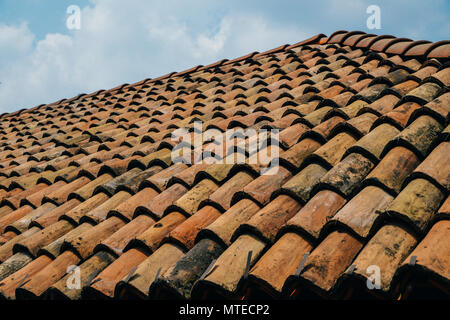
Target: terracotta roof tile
{"x": 184, "y": 235}
{"x": 260, "y": 189}
{"x": 442, "y": 77}
{"x": 24, "y": 222}
{"x": 387, "y": 249}
{"x": 102, "y": 286}
{"x": 33, "y": 244}
{"x": 178, "y": 280}
{"x": 373, "y": 144}
{"x": 416, "y": 204}
{"x": 116, "y": 243}
{"x": 159, "y": 180}
{"x": 293, "y": 158}
{"x": 151, "y": 238}
{"x": 157, "y": 206}
{"x": 10, "y": 283}
{"x": 85, "y": 192}
{"x": 54, "y": 249}
{"x": 315, "y": 214}
{"x": 360, "y": 214}
{"x": 438, "y": 109}
{"x": 75, "y": 214}
{"x": 222, "y": 197}
{"x": 435, "y": 167}
{"x": 432, "y": 262}
{"x": 60, "y": 195}
{"x": 89, "y": 269}
{"x": 160, "y": 261}
{"x": 189, "y": 202}
{"x": 127, "y": 209}
{"x": 441, "y": 51}
{"x": 101, "y": 212}
{"x": 301, "y": 185}
{"x": 331, "y": 152}
{"x": 13, "y": 264}
{"x": 84, "y": 245}
{"x": 229, "y": 268}
{"x": 266, "y": 222}
{"x": 393, "y": 169}
{"x": 418, "y": 136}
{"x": 345, "y": 177}
{"x": 269, "y": 274}
{"x": 325, "y": 265}
{"x": 356, "y": 177}
{"x": 400, "y": 47}
{"x": 6, "y": 249}
{"x": 40, "y": 281}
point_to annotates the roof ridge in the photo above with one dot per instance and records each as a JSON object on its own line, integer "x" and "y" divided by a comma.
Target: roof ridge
{"x": 421, "y": 49}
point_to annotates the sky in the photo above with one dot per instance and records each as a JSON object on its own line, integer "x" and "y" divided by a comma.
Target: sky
{"x": 42, "y": 60}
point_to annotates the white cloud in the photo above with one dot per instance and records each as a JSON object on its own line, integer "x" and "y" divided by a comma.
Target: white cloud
{"x": 118, "y": 44}
{"x": 15, "y": 42}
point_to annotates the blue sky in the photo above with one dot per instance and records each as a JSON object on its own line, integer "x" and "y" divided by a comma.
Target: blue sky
{"x": 42, "y": 61}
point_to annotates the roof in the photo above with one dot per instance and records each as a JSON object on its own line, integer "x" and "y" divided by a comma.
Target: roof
{"x": 95, "y": 206}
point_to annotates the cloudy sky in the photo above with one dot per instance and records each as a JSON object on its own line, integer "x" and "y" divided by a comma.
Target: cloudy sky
{"x": 118, "y": 42}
